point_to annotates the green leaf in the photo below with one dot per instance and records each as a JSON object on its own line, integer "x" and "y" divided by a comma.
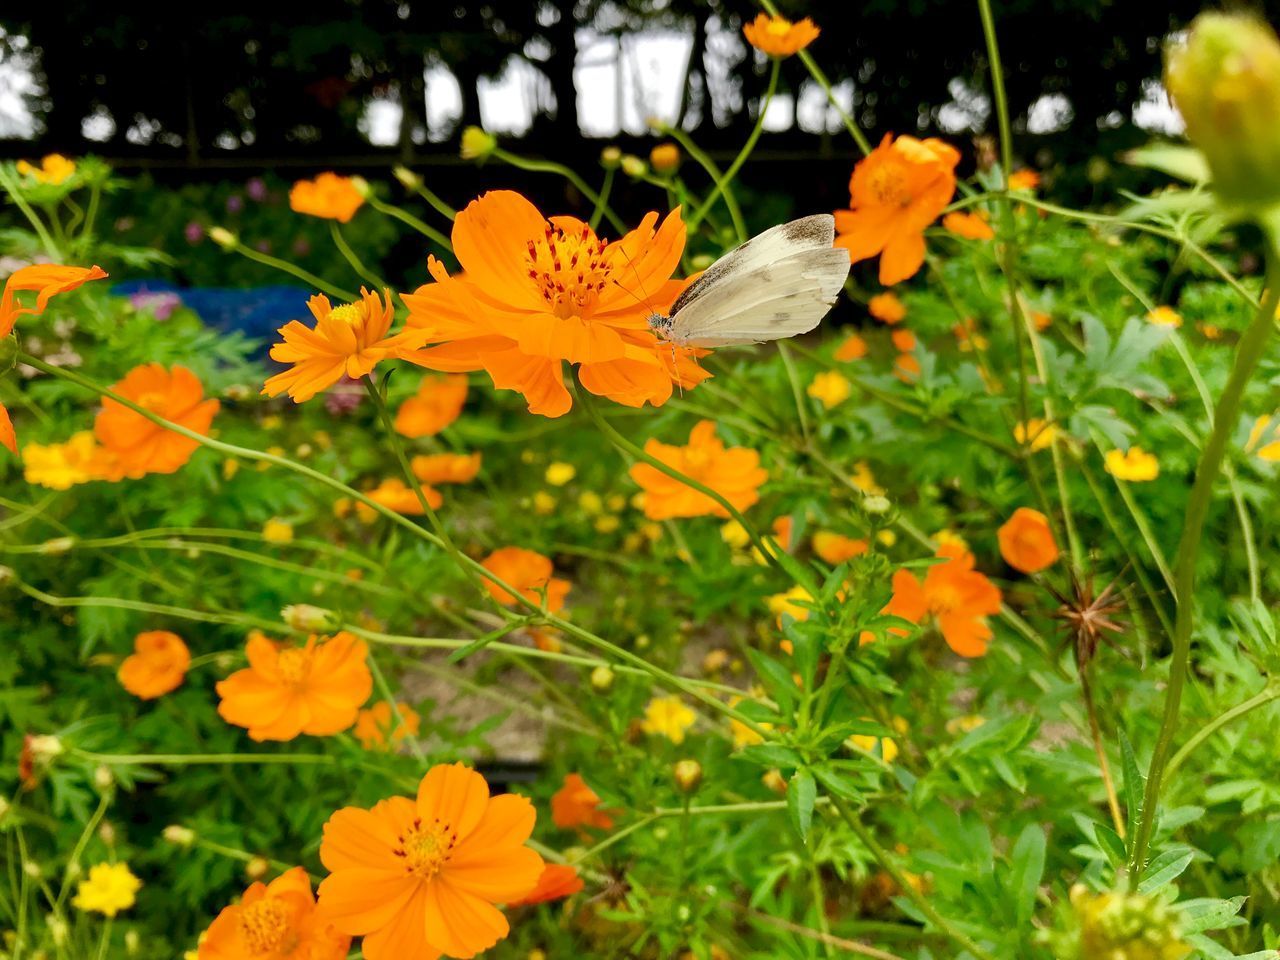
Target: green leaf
{"x": 1165, "y": 868}
{"x": 838, "y": 783}
{"x": 1208, "y": 914}
{"x": 1182, "y": 162}
{"x": 1111, "y": 844}
{"x": 1026, "y": 869}
{"x": 771, "y": 755}
{"x": 802, "y": 793}
{"x": 776, "y": 678}
{"x": 1133, "y": 784}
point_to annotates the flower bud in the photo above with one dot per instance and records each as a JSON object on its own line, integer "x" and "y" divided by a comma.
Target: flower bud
{"x": 8, "y": 353}
{"x": 687, "y": 775}
{"x": 131, "y": 942}
{"x": 610, "y": 158}
{"x": 57, "y": 545}
{"x": 876, "y": 504}
{"x": 44, "y": 748}
{"x": 179, "y": 836}
{"x": 477, "y": 144}
{"x": 102, "y": 778}
{"x": 1224, "y": 78}
{"x": 602, "y": 679}
{"x": 256, "y": 868}
{"x": 633, "y": 166}
{"x": 305, "y": 617}
{"x": 775, "y": 781}
{"x": 408, "y": 179}
{"x": 224, "y": 238}
{"x": 665, "y": 158}
{"x": 58, "y": 929}
{"x": 361, "y": 186}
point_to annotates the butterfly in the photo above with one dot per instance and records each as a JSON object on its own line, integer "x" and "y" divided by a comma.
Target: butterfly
{"x": 778, "y": 284}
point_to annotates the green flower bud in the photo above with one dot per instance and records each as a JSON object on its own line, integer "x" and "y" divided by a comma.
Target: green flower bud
{"x": 477, "y": 144}
{"x": 1225, "y": 80}
{"x": 223, "y": 238}
{"x": 408, "y": 179}
{"x": 610, "y": 158}
{"x": 633, "y": 166}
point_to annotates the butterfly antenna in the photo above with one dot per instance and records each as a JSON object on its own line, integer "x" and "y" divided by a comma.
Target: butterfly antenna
{"x": 648, "y": 305}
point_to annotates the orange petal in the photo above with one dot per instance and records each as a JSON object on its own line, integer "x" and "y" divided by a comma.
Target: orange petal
{"x": 8, "y": 438}
{"x": 405, "y": 936}
{"x": 461, "y": 924}
{"x": 456, "y": 794}
{"x": 361, "y": 901}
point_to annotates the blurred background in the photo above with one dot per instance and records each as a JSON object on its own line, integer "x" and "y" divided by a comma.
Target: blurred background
{"x": 217, "y": 110}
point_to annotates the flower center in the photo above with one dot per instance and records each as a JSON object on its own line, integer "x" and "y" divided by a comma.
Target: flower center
{"x": 779, "y": 27}
{"x": 294, "y": 664}
{"x": 569, "y": 270}
{"x": 426, "y": 847}
{"x": 889, "y": 187}
{"x": 264, "y": 927}
{"x": 944, "y": 598}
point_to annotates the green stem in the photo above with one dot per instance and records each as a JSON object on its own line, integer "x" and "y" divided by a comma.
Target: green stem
{"x": 602, "y": 200}
{"x": 723, "y": 183}
{"x": 547, "y": 166}
{"x": 797, "y": 393}
{"x": 439, "y": 205}
{"x": 1249, "y": 354}
{"x": 622, "y": 443}
{"x": 14, "y": 189}
{"x": 891, "y": 867}
{"x": 821, "y": 79}
{"x": 310, "y": 279}
{"x": 1267, "y": 695}
{"x": 349, "y": 255}
{"x": 713, "y": 171}
{"x": 404, "y": 216}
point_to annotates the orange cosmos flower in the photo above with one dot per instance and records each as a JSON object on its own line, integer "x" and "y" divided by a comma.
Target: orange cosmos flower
{"x": 274, "y": 921}
{"x": 394, "y": 494}
{"x": 419, "y": 878}
{"x": 971, "y": 226}
{"x": 347, "y": 340}
{"x": 157, "y": 666}
{"x": 537, "y": 293}
{"x": 375, "y": 725}
{"x": 836, "y": 548}
{"x": 529, "y": 572}
{"x": 8, "y": 438}
{"x": 446, "y": 467}
{"x": 54, "y": 169}
{"x": 328, "y": 195}
{"x": 1025, "y": 180}
{"x": 734, "y": 473}
{"x": 778, "y": 36}
{"x": 956, "y": 596}
{"x": 577, "y": 805}
{"x": 286, "y": 690}
{"x": 895, "y": 192}
{"x": 49, "y": 279}
{"x": 437, "y": 404}
{"x": 852, "y": 348}
{"x": 1026, "y": 541}
{"x": 558, "y": 880}
{"x": 887, "y": 308}
{"x": 136, "y": 445}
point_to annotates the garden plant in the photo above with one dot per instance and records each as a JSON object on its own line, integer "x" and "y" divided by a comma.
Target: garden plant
{"x": 479, "y": 619}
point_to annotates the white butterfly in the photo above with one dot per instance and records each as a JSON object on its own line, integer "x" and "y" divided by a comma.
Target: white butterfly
{"x": 779, "y": 284}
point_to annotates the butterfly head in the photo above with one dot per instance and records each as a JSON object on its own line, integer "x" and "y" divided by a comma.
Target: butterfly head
{"x": 660, "y": 324}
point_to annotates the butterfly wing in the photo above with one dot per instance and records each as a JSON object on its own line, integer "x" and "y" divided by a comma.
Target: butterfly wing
{"x": 779, "y": 284}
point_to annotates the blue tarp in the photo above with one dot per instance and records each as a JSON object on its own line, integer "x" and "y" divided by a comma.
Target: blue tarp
{"x": 256, "y": 312}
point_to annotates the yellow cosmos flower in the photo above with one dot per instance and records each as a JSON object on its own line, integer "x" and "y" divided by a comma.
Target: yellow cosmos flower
{"x": 558, "y": 474}
{"x": 865, "y": 480}
{"x": 831, "y": 387}
{"x": 667, "y": 717}
{"x": 277, "y": 531}
{"x": 109, "y": 888}
{"x": 1264, "y": 439}
{"x": 1136, "y": 466}
{"x": 1036, "y": 433}
{"x": 1164, "y": 317}
{"x": 781, "y": 603}
{"x": 53, "y": 170}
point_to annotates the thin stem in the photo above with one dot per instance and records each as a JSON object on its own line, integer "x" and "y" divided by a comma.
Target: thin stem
{"x": 821, "y": 79}
{"x": 622, "y": 443}
{"x": 404, "y": 216}
{"x": 1249, "y": 354}
{"x": 713, "y": 170}
{"x": 310, "y": 279}
{"x": 603, "y": 199}
{"x": 797, "y": 393}
{"x": 14, "y": 189}
{"x": 349, "y": 255}
{"x": 723, "y": 183}
{"x": 890, "y": 866}
{"x": 439, "y": 205}
{"x": 547, "y": 166}
{"x": 1267, "y": 695}
{"x": 1095, "y": 732}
